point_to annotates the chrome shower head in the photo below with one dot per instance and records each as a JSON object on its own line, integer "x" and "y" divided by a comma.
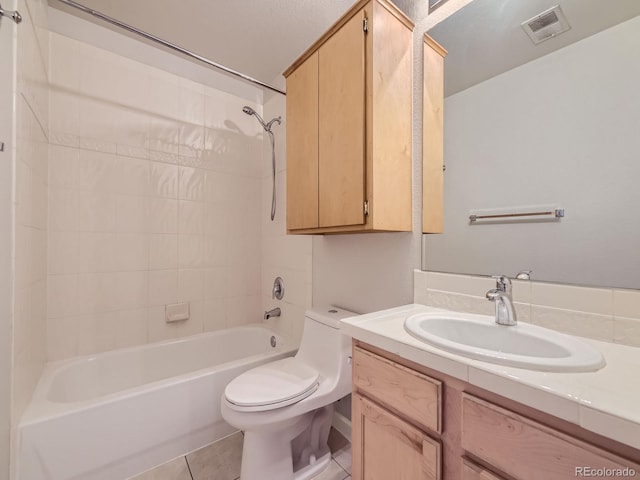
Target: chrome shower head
{"x": 267, "y": 126}
{"x": 248, "y": 110}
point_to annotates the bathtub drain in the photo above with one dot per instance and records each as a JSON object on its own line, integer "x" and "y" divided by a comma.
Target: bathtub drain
{"x": 273, "y": 341}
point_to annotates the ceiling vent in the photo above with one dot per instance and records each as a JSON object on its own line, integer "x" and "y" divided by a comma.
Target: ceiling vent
{"x": 546, "y": 25}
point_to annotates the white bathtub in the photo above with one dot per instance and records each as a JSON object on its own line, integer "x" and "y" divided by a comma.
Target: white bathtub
{"x": 116, "y": 414}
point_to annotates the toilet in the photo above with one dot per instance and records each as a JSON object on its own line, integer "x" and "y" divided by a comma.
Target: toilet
{"x": 285, "y": 407}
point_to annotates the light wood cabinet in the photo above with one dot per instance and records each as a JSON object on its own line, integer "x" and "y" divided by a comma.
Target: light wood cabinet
{"x": 473, "y": 471}
{"x": 527, "y": 449}
{"x": 415, "y": 396}
{"x": 392, "y": 409}
{"x": 388, "y": 447}
{"x": 349, "y": 103}
{"x": 477, "y": 435}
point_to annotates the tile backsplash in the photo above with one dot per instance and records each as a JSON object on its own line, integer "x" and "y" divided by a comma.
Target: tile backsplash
{"x": 155, "y": 190}
{"x": 30, "y": 214}
{"x": 611, "y": 315}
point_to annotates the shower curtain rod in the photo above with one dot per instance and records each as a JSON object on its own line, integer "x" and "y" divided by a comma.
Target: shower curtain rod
{"x": 170, "y": 45}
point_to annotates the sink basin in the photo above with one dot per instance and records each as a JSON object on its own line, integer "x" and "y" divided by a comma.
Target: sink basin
{"x": 523, "y": 345}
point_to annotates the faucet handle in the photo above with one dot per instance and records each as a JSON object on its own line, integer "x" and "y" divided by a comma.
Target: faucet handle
{"x": 524, "y": 275}
{"x": 503, "y": 283}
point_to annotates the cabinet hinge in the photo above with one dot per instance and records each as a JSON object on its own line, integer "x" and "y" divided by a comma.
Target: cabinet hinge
{"x": 365, "y": 25}
{"x": 366, "y": 207}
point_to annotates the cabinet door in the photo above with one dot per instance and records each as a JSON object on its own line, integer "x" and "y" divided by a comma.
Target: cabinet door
{"x": 472, "y": 471}
{"x": 342, "y": 125}
{"x": 302, "y": 146}
{"x": 385, "y": 447}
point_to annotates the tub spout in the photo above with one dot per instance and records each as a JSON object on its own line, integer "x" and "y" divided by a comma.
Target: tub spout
{"x": 274, "y": 312}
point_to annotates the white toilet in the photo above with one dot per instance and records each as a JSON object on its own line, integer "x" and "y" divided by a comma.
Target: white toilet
{"x": 285, "y": 407}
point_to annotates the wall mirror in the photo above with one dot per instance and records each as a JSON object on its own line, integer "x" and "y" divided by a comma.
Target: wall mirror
{"x": 532, "y": 127}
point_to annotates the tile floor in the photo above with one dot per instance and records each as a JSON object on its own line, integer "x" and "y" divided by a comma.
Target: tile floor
{"x": 221, "y": 461}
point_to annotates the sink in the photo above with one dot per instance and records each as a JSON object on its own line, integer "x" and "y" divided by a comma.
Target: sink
{"x": 523, "y": 345}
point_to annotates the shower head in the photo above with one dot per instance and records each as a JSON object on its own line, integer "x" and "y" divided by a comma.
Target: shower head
{"x": 267, "y": 126}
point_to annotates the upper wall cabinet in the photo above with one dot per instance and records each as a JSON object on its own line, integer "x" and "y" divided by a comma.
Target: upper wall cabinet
{"x": 432, "y": 136}
{"x": 349, "y": 126}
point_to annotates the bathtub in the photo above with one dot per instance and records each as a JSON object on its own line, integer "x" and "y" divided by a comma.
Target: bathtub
{"x": 116, "y": 414}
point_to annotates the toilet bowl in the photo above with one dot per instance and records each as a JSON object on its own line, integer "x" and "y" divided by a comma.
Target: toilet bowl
{"x": 285, "y": 407}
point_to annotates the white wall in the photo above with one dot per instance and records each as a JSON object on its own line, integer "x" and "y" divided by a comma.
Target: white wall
{"x": 30, "y": 197}
{"x": 561, "y": 129}
{"x": 154, "y": 199}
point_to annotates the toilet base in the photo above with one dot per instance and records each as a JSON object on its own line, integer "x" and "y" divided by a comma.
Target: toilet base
{"x": 294, "y": 450}
{"x": 311, "y": 471}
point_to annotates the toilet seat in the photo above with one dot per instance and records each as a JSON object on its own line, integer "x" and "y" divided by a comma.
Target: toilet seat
{"x": 274, "y": 385}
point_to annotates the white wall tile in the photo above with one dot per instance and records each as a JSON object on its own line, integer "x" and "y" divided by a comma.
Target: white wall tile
{"x": 465, "y": 284}
{"x": 163, "y": 215}
{"x": 190, "y": 285}
{"x": 191, "y": 184}
{"x": 164, "y": 180}
{"x": 599, "y": 327}
{"x": 215, "y": 314}
{"x": 131, "y": 327}
{"x": 132, "y": 290}
{"x": 140, "y": 223}
{"x": 163, "y": 251}
{"x": 626, "y": 331}
{"x": 63, "y": 252}
{"x": 163, "y": 287}
{"x": 96, "y": 252}
{"x": 132, "y": 176}
{"x": 191, "y": 251}
{"x": 584, "y": 299}
{"x": 132, "y": 214}
{"x": 63, "y": 209}
{"x": 626, "y": 303}
{"x": 96, "y": 211}
{"x": 159, "y": 330}
{"x": 63, "y": 171}
{"x": 62, "y": 296}
{"x": 191, "y": 217}
{"x": 132, "y": 252}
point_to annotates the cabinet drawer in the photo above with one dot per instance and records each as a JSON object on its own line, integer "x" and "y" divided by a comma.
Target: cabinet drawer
{"x": 386, "y": 447}
{"x": 472, "y": 471}
{"x": 406, "y": 391}
{"x": 526, "y": 449}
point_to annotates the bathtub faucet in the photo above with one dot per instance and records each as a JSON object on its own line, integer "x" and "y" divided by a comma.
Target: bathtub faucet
{"x": 275, "y": 312}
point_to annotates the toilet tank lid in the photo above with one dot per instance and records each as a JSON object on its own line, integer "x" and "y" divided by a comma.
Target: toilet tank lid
{"x": 329, "y": 315}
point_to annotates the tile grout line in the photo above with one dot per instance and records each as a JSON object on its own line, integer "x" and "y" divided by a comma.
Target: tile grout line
{"x": 188, "y": 467}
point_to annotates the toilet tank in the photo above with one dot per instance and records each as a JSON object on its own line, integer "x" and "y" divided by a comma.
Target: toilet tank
{"x": 324, "y": 347}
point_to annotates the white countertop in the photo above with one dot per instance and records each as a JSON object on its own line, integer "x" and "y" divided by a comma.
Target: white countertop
{"x": 606, "y": 402}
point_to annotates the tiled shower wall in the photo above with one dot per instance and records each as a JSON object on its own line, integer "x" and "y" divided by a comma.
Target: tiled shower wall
{"x": 31, "y": 122}
{"x": 155, "y": 195}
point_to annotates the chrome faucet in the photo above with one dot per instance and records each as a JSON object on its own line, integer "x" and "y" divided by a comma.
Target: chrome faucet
{"x": 274, "y": 312}
{"x": 501, "y": 295}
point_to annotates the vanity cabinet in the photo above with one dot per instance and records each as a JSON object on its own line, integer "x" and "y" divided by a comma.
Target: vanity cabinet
{"x": 349, "y": 104}
{"x": 396, "y": 420}
{"x": 414, "y": 419}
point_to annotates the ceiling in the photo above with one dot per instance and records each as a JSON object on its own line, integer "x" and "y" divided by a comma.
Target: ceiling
{"x": 485, "y": 38}
{"x": 259, "y": 38}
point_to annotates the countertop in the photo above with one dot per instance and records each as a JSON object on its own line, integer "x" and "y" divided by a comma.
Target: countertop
{"x": 606, "y": 402}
